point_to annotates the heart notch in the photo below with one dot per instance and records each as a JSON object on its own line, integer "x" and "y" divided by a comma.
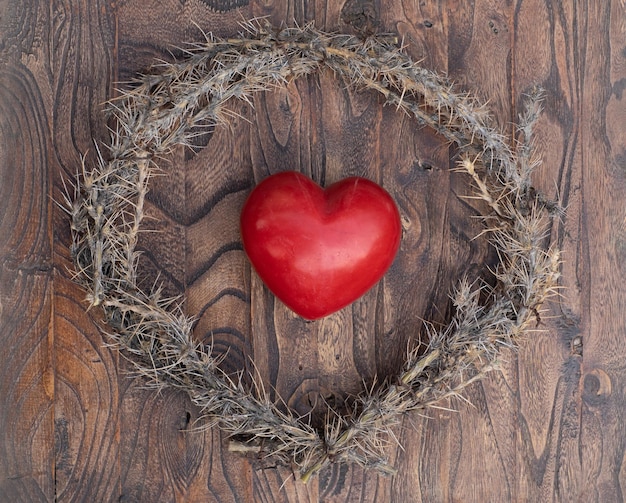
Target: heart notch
{"x": 318, "y": 250}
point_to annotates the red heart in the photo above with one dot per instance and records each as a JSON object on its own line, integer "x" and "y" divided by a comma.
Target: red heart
{"x": 319, "y": 250}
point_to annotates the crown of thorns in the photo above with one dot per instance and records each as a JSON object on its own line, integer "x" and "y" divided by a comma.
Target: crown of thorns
{"x": 165, "y": 109}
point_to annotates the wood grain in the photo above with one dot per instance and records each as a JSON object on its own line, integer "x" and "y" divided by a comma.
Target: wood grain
{"x": 86, "y": 393}
{"x": 75, "y": 425}
{"x": 27, "y": 370}
{"x": 27, "y": 437}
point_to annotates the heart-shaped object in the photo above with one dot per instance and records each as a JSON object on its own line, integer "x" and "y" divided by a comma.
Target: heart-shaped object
{"x": 319, "y": 250}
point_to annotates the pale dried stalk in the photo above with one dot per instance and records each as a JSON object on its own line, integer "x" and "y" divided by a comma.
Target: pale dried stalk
{"x": 168, "y": 108}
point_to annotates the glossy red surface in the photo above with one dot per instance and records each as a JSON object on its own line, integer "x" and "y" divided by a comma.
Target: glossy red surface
{"x": 319, "y": 250}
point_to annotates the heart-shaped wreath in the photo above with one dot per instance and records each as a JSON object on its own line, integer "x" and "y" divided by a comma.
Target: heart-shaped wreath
{"x": 166, "y": 108}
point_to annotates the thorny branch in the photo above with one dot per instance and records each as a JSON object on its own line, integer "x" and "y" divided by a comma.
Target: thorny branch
{"x": 167, "y": 108}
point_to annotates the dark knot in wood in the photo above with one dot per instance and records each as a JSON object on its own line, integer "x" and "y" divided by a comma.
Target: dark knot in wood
{"x": 362, "y": 15}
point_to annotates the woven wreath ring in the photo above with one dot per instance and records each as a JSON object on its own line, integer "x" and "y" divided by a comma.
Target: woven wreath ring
{"x": 165, "y": 109}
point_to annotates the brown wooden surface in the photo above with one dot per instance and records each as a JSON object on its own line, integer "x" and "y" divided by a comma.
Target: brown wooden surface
{"x": 549, "y": 427}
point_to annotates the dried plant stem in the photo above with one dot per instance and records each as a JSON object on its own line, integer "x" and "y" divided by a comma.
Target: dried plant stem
{"x": 166, "y": 109}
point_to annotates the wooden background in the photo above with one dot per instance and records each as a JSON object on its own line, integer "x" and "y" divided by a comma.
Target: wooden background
{"x": 548, "y": 427}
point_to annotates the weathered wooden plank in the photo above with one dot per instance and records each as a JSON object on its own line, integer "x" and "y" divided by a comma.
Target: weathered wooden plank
{"x": 27, "y": 358}
{"x": 463, "y": 450}
{"x": 86, "y": 403}
{"x": 416, "y": 166}
{"x": 549, "y": 363}
{"x": 602, "y": 74}
{"x": 194, "y": 208}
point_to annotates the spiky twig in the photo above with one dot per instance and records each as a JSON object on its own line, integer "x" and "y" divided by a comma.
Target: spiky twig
{"x": 166, "y": 109}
